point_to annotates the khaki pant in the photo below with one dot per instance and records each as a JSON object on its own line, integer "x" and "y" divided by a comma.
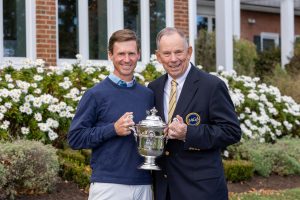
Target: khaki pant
{"x": 111, "y": 191}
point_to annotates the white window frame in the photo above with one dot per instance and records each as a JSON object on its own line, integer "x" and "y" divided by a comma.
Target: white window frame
{"x": 115, "y": 21}
{"x": 30, "y": 34}
{"x": 271, "y": 36}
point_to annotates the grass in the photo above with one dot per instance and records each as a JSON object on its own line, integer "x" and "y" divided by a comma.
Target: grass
{"x": 291, "y": 194}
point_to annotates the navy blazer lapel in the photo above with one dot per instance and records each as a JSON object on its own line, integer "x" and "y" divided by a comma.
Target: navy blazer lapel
{"x": 160, "y": 96}
{"x": 188, "y": 91}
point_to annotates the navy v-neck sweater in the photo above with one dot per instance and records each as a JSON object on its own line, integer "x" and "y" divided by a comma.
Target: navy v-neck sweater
{"x": 114, "y": 158}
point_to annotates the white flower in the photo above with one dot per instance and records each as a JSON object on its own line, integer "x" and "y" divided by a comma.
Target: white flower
{"x": 10, "y": 85}
{"x": 199, "y": 66}
{"x": 102, "y": 76}
{"x": 38, "y": 117}
{"x": 37, "y": 91}
{"x": 43, "y": 127}
{"x": 78, "y": 56}
{"x": 37, "y": 78}
{"x": 8, "y": 105}
{"x": 226, "y": 153}
{"x": 141, "y": 77}
{"x": 40, "y": 62}
{"x": 1, "y": 116}
{"x": 3, "y": 109}
{"x": 25, "y": 130}
{"x": 90, "y": 70}
{"x": 33, "y": 85}
{"x": 5, "y": 125}
{"x": 40, "y": 70}
{"x": 220, "y": 68}
{"x": 52, "y": 123}
{"x": 52, "y": 135}
{"x": 262, "y": 140}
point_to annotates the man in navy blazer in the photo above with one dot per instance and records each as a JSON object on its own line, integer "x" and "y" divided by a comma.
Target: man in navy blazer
{"x": 206, "y": 123}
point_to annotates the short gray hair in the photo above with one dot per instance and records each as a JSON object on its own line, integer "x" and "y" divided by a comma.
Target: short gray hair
{"x": 170, "y": 31}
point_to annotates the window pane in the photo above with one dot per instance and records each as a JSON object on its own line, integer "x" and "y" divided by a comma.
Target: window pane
{"x": 157, "y": 21}
{"x": 98, "y": 29}
{"x": 68, "y": 28}
{"x": 132, "y": 17}
{"x": 14, "y": 28}
{"x": 202, "y": 23}
{"x": 268, "y": 44}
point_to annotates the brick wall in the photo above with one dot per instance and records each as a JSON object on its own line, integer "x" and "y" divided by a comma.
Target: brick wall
{"x": 264, "y": 22}
{"x": 46, "y": 31}
{"x": 181, "y": 15}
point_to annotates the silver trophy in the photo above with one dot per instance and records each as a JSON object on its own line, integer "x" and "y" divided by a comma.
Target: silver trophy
{"x": 149, "y": 134}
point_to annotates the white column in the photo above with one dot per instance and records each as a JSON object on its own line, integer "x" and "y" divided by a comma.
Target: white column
{"x": 145, "y": 31}
{"x": 192, "y": 26}
{"x": 169, "y": 13}
{"x": 83, "y": 29}
{"x": 115, "y": 16}
{"x": 224, "y": 40}
{"x": 287, "y": 30}
{"x": 236, "y": 18}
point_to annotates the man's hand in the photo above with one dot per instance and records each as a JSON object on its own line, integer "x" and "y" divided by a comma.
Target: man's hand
{"x": 123, "y": 124}
{"x": 177, "y": 129}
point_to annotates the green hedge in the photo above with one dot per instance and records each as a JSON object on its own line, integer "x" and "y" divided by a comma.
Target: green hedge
{"x": 27, "y": 167}
{"x": 282, "y": 157}
{"x": 238, "y": 170}
{"x": 75, "y": 166}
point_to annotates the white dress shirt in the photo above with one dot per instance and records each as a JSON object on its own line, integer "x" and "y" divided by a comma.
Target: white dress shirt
{"x": 180, "y": 81}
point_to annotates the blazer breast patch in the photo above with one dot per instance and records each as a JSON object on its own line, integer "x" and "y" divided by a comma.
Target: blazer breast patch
{"x": 193, "y": 119}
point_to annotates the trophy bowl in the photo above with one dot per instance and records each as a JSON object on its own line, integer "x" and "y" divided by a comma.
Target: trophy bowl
{"x": 149, "y": 134}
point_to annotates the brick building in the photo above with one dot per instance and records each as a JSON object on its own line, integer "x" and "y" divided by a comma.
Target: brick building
{"x": 57, "y": 30}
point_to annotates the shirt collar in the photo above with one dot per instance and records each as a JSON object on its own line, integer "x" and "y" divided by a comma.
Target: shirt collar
{"x": 120, "y": 82}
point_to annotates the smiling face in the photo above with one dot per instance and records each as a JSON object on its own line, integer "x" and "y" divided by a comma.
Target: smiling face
{"x": 174, "y": 54}
{"x": 124, "y": 57}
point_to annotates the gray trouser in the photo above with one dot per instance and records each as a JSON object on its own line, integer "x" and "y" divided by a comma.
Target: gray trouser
{"x": 111, "y": 191}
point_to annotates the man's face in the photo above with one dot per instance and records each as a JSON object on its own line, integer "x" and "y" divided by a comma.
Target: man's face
{"x": 124, "y": 57}
{"x": 174, "y": 54}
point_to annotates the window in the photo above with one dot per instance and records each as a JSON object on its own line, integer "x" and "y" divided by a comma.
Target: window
{"x": 17, "y": 35}
{"x": 157, "y": 21}
{"x": 97, "y": 29}
{"x": 14, "y": 29}
{"x": 206, "y": 22}
{"x": 268, "y": 41}
{"x": 132, "y": 18}
{"x": 68, "y": 28}
{"x": 85, "y": 26}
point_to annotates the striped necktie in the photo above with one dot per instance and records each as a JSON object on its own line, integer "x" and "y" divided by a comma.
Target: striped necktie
{"x": 172, "y": 100}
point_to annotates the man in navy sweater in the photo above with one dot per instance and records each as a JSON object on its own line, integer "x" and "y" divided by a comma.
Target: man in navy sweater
{"x": 102, "y": 122}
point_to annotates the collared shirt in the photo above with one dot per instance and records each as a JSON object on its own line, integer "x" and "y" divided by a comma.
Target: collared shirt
{"x": 120, "y": 82}
{"x": 180, "y": 81}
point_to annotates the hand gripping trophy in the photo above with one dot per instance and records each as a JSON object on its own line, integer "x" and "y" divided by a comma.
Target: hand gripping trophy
{"x": 149, "y": 134}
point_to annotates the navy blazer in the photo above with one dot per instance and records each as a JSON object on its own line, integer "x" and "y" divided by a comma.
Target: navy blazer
{"x": 192, "y": 169}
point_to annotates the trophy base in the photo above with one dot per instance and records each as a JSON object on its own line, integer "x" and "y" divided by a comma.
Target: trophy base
{"x": 149, "y": 167}
{"x": 149, "y": 164}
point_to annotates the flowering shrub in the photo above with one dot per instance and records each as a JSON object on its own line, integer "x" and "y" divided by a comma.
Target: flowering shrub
{"x": 263, "y": 112}
{"x": 39, "y": 103}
